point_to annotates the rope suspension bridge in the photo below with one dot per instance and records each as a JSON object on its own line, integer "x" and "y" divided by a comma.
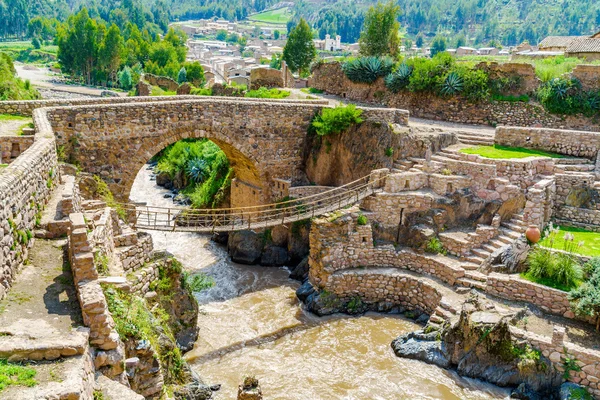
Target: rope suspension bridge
{"x": 254, "y": 217}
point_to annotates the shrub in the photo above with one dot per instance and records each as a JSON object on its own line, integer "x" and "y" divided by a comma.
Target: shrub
{"x": 389, "y": 151}
{"x": 399, "y": 79}
{"x": 585, "y": 300}
{"x": 199, "y": 282}
{"x": 564, "y": 96}
{"x": 362, "y": 220}
{"x": 435, "y": 246}
{"x": 264, "y": 93}
{"x": 367, "y": 69}
{"x": 429, "y": 74}
{"x": 452, "y": 84}
{"x": 336, "y": 120}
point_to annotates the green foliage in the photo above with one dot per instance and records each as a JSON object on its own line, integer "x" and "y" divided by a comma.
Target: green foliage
{"x": 336, "y": 120}
{"x": 106, "y": 195}
{"x": 15, "y": 374}
{"x": 329, "y": 300}
{"x": 389, "y": 151}
{"x": 570, "y": 364}
{"x": 199, "y": 282}
{"x": 101, "y": 262}
{"x": 511, "y": 99}
{"x": 399, "y": 79}
{"x": 275, "y": 62}
{"x": 529, "y": 359}
{"x": 565, "y": 96}
{"x": 311, "y": 90}
{"x": 362, "y": 220}
{"x": 585, "y": 300}
{"x": 438, "y": 45}
{"x": 379, "y": 35}
{"x": 354, "y": 305}
{"x": 264, "y": 93}
{"x": 435, "y": 246}
{"x": 299, "y": 51}
{"x": 452, "y": 84}
{"x": 560, "y": 270}
{"x": 367, "y": 69}
{"x": 11, "y": 87}
{"x": 182, "y": 76}
{"x": 205, "y": 169}
{"x": 428, "y": 74}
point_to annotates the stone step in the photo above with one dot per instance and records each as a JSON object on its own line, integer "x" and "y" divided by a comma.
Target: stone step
{"x": 481, "y": 253}
{"x": 447, "y": 306}
{"x": 466, "y": 282}
{"x": 470, "y": 265}
{"x": 518, "y": 217}
{"x": 454, "y": 156}
{"x": 474, "y": 259}
{"x": 474, "y": 140}
{"x": 444, "y": 314}
{"x": 567, "y": 161}
{"x": 513, "y": 226}
{"x": 435, "y": 320}
{"x": 476, "y": 276}
{"x": 510, "y": 233}
{"x": 496, "y": 243}
{"x": 489, "y": 247}
{"x": 505, "y": 239}
{"x": 575, "y": 167}
{"x": 16, "y": 348}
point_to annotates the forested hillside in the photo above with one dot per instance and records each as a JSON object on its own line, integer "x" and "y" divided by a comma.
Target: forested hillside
{"x": 475, "y": 22}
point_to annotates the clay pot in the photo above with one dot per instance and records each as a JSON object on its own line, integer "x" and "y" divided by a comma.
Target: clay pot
{"x": 533, "y": 234}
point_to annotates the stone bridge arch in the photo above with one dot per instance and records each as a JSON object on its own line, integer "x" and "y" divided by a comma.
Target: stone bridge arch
{"x": 263, "y": 140}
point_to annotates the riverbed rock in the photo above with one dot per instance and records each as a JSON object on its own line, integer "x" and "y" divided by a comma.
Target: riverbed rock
{"x": 162, "y": 179}
{"x": 279, "y": 235}
{"x": 220, "y": 237}
{"x": 509, "y": 259}
{"x": 572, "y": 391}
{"x": 274, "y": 256}
{"x": 245, "y": 247}
{"x": 305, "y": 291}
{"x": 479, "y": 345}
{"x": 422, "y": 346}
{"x": 249, "y": 390}
{"x": 300, "y": 272}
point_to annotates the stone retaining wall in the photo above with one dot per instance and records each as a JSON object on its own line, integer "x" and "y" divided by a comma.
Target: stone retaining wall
{"x": 580, "y": 217}
{"x": 513, "y": 287}
{"x": 330, "y": 78}
{"x": 11, "y": 147}
{"x": 339, "y": 243}
{"x": 137, "y": 254}
{"x": 568, "y": 142}
{"x": 387, "y": 207}
{"x": 25, "y": 186}
{"x": 388, "y": 285}
{"x": 540, "y": 203}
{"x": 557, "y": 349}
{"x": 588, "y": 75}
{"x": 298, "y": 192}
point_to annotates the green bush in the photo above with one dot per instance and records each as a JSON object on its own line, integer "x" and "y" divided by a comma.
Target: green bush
{"x": 435, "y": 246}
{"x": 585, "y": 300}
{"x": 199, "y": 282}
{"x": 428, "y": 74}
{"x": 264, "y": 93}
{"x": 398, "y": 79}
{"x": 362, "y": 220}
{"x": 565, "y": 96}
{"x": 367, "y": 69}
{"x": 15, "y": 374}
{"x": 560, "y": 270}
{"x": 336, "y": 120}
{"x": 452, "y": 84}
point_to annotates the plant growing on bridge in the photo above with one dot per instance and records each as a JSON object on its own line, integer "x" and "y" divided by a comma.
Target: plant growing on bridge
{"x": 336, "y": 120}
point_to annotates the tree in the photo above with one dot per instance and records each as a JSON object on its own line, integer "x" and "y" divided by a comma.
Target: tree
{"x": 242, "y": 42}
{"x": 380, "y": 31}
{"x": 111, "y": 52}
{"x": 195, "y": 73}
{"x": 419, "y": 41}
{"x": 182, "y": 76}
{"x": 275, "y": 61}
{"x": 276, "y": 35}
{"x": 299, "y": 51}
{"x": 125, "y": 78}
{"x": 438, "y": 45}
{"x": 36, "y": 43}
{"x": 221, "y": 35}
{"x": 461, "y": 40}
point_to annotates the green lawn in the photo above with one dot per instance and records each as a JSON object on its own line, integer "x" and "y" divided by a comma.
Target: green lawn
{"x": 590, "y": 246}
{"x": 15, "y": 374}
{"x": 280, "y": 16}
{"x": 505, "y": 152}
{"x": 10, "y": 117}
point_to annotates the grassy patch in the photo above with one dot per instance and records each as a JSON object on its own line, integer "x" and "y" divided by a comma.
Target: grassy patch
{"x": 264, "y": 93}
{"x": 27, "y": 125}
{"x": 546, "y": 282}
{"x": 311, "y": 90}
{"x": 156, "y": 91}
{"x": 11, "y": 117}
{"x": 589, "y": 247}
{"x": 505, "y": 152}
{"x": 279, "y": 16}
{"x": 15, "y": 374}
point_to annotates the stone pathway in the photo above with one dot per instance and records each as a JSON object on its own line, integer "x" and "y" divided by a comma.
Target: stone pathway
{"x": 12, "y": 127}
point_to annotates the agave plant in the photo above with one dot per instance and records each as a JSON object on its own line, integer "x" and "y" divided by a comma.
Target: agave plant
{"x": 197, "y": 169}
{"x": 367, "y": 69}
{"x": 452, "y": 84}
{"x": 398, "y": 80}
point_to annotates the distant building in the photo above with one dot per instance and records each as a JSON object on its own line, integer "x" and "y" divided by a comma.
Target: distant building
{"x": 488, "y": 51}
{"x": 587, "y": 48}
{"x": 557, "y": 43}
{"x": 465, "y": 51}
{"x": 329, "y": 44}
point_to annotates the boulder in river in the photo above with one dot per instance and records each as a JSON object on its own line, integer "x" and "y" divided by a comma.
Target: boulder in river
{"x": 274, "y": 256}
{"x": 245, "y": 247}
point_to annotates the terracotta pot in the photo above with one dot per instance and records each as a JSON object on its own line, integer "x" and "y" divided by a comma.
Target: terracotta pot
{"x": 533, "y": 234}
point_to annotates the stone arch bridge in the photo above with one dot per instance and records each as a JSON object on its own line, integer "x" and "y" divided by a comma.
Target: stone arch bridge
{"x": 263, "y": 139}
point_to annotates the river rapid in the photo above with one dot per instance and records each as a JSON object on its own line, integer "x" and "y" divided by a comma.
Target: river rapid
{"x": 251, "y": 323}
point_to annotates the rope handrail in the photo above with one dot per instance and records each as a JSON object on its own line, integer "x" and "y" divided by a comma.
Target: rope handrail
{"x": 256, "y": 217}
{"x": 266, "y": 206}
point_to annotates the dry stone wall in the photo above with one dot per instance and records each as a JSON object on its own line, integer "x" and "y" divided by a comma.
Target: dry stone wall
{"x": 568, "y": 142}
{"x": 11, "y": 147}
{"x": 25, "y": 187}
{"x": 330, "y": 78}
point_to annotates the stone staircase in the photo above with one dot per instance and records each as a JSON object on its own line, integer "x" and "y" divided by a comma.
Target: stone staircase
{"x": 574, "y": 165}
{"x": 475, "y": 138}
{"x": 444, "y": 312}
{"x": 509, "y": 232}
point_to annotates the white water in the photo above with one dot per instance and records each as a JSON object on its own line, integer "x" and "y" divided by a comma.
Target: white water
{"x": 252, "y": 324}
